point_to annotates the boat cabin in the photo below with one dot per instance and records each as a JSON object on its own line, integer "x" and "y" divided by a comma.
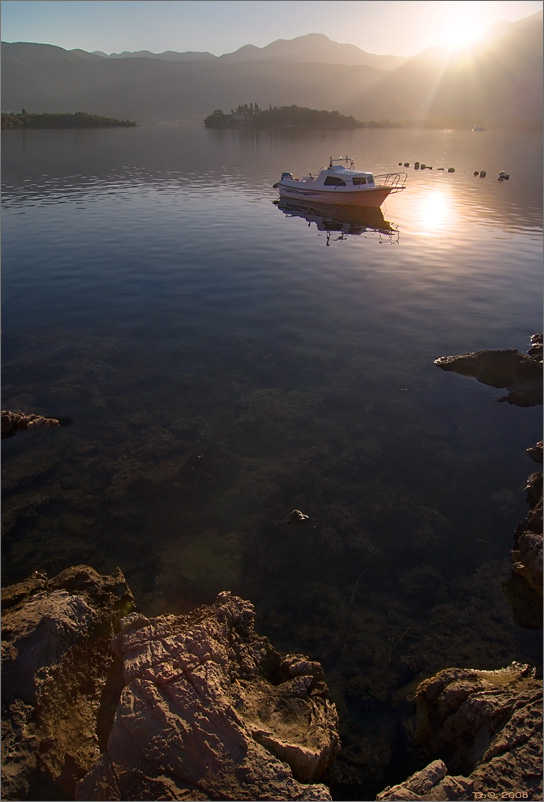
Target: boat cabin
{"x": 339, "y": 176}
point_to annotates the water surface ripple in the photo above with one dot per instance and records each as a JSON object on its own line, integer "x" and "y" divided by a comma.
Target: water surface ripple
{"x": 223, "y": 360}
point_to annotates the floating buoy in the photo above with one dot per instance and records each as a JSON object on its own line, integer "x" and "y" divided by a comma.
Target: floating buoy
{"x": 503, "y": 176}
{"x": 475, "y": 172}
{"x": 423, "y": 166}
{"x": 440, "y": 168}
{"x": 407, "y": 164}
{"x": 416, "y": 165}
{"x": 483, "y": 173}
{"x": 451, "y": 169}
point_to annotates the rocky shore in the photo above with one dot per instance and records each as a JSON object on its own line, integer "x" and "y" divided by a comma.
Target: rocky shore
{"x": 487, "y": 728}
{"x": 175, "y": 707}
{"x": 200, "y": 707}
{"x": 521, "y": 374}
{"x": 101, "y": 702}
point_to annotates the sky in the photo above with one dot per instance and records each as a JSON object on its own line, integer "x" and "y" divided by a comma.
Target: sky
{"x": 389, "y": 27}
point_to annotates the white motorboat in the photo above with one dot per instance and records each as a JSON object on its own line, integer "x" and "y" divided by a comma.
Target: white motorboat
{"x": 341, "y": 183}
{"x": 478, "y": 128}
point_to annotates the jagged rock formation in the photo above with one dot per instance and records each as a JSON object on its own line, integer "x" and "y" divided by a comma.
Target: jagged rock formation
{"x": 57, "y": 672}
{"x": 182, "y": 707}
{"x": 13, "y": 422}
{"x": 484, "y": 729}
{"x": 433, "y": 783}
{"x": 527, "y": 555}
{"x": 520, "y": 374}
{"x": 524, "y": 588}
{"x": 211, "y": 711}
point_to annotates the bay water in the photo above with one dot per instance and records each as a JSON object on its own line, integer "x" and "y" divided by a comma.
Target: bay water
{"x": 220, "y": 360}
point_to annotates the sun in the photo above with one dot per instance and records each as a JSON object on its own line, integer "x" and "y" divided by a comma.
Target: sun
{"x": 462, "y": 38}
{"x": 461, "y": 24}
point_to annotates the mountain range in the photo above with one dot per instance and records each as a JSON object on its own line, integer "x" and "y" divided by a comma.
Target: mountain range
{"x": 314, "y": 47}
{"x": 499, "y": 81}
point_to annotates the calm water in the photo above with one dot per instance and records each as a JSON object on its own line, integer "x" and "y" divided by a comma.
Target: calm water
{"x": 223, "y": 361}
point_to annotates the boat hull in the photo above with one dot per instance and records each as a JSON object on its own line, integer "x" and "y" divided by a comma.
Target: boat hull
{"x": 364, "y": 197}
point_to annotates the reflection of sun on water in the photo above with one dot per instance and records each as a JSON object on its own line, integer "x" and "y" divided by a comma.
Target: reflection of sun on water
{"x": 435, "y": 213}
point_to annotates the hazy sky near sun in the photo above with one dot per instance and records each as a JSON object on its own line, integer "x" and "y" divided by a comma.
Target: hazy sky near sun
{"x": 401, "y": 28}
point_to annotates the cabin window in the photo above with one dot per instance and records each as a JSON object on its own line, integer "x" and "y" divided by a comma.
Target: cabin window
{"x": 359, "y": 180}
{"x": 334, "y": 181}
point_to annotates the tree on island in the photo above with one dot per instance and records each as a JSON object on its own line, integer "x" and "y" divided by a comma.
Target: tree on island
{"x": 80, "y": 119}
{"x": 253, "y": 116}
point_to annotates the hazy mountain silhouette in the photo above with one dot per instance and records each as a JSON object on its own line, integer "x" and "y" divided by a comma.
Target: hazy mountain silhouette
{"x": 499, "y": 81}
{"x": 314, "y": 47}
{"x": 168, "y": 55}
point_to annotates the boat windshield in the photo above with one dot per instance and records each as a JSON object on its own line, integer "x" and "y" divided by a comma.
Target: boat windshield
{"x": 363, "y": 179}
{"x": 333, "y": 180}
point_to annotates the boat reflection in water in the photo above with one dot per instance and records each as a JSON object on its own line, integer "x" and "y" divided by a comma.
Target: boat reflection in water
{"x": 341, "y": 220}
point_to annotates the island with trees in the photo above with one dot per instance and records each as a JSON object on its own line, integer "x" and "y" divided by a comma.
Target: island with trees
{"x": 253, "y": 116}
{"x": 80, "y": 119}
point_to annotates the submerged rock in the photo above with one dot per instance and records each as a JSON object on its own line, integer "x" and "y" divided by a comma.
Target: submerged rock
{"x": 484, "y": 731}
{"x": 298, "y": 517}
{"x": 520, "y": 374}
{"x": 210, "y": 710}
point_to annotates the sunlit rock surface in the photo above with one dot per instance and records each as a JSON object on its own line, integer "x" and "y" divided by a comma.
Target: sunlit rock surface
{"x": 12, "y": 422}
{"x": 211, "y": 711}
{"x": 484, "y": 729}
{"x": 57, "y": 672}
{"x": 177, "y": 707}
{"x": 433, "y": 783}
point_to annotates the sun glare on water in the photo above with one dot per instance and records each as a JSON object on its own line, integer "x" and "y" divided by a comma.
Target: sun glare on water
{"x": 434, "y": 213}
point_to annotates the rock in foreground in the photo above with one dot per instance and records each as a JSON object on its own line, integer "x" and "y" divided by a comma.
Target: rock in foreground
{"x": 210, "y": 710}
{"x": 57, "y": 671}
{"x": 520, "y": 374}
{"x": 182, "y": 707}
{"x": 485, "y": 730}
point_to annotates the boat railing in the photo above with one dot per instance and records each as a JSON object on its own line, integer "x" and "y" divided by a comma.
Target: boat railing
{"x": 394, "y": 181}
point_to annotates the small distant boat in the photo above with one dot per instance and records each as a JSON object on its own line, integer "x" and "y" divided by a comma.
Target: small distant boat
{"x": 341, "y": 183}
{"x": 478, "y": 128}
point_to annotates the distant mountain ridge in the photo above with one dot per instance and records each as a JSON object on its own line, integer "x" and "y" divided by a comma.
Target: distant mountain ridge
{"x": 498, "y": 83}
{"x": 168, "y": 55}
{"x": 313, "y": 47}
